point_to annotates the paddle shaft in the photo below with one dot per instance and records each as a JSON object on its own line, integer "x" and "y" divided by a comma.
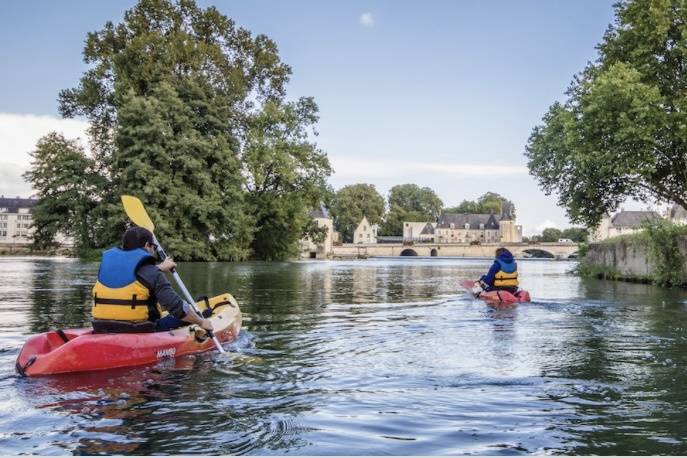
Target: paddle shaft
{"x": 189, "y": 298}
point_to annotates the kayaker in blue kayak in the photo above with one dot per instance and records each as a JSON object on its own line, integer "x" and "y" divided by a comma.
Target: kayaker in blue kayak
{"x": 131, "y": 290}
{"x": 503, "y": 274}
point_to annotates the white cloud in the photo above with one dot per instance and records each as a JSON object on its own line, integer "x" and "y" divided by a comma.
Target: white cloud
{"x": 18, "y": 136}
{"x": 546, "y": 224}
{"x": 366, "y": 169}
{"x": 367, "y": 19}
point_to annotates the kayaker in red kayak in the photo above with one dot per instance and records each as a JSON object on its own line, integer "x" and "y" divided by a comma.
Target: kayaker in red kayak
{"x": 131, "y": 290}
{"x": 503, "y": 274}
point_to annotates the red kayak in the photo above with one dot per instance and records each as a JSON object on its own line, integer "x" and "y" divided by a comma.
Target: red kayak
{"x": 80, "y": 350}
{"x": 498, "y": 297}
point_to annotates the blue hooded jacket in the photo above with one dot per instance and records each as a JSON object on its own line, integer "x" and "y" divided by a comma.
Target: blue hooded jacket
{"x": 503, "y": 262}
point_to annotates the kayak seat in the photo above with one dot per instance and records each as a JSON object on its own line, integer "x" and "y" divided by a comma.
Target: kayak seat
{"x": 118, "y": 327}
{"x": 210, "y": 304}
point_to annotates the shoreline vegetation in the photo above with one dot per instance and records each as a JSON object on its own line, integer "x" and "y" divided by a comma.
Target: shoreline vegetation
{"x": 657, "y": 255}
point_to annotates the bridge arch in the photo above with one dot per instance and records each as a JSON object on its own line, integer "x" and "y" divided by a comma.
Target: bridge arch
{"x": 408, "y": 252}
{"x": 434, "y": 252}
{"x": 537, "y": 253}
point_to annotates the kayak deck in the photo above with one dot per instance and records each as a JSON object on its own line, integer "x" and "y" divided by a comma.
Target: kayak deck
{"x": 80, "y": 350}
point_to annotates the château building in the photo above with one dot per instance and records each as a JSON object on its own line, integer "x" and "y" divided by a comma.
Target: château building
{"x": 622, "y": 223}
{"x": 466, "y": 228}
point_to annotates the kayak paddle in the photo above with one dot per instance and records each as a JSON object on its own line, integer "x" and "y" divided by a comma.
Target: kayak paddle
{"x": 139, "y": 216}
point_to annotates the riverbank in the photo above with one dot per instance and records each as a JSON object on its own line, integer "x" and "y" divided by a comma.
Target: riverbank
{"x": 657, "y": 255}
{"x": 26, "y": 250}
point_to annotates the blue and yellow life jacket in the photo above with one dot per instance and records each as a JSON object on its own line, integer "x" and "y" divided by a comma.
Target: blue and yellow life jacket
{"x": 507, "y": 276}
{"x": 118, "y": 295}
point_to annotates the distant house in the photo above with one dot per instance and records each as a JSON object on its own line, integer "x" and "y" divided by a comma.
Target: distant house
{"x": 418, "y": 231}
{"x": 310, "y": 249}
{"x": 365, "y": 232}
{"x": 466, "y": 228}
{"x": 622, "y": 223}
{"x": 16, "y": 220}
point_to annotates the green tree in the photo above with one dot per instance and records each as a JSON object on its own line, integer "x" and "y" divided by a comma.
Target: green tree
{"x": 466, "y": 206}
{"x": 550, "y": 234}
{"x": 409, "y": 202}
{"x": 189, "y": 113}
{"x": 621, "y": 133}
{"x": 68, "y": 186}
{"x": 351, "y": 203}
{"x": 286, "y": 176}
{"x": 576, "y": 234}
{"x": 489, "y": 202}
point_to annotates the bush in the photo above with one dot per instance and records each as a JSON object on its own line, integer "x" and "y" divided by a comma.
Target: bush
{"x": 661, "y": 238}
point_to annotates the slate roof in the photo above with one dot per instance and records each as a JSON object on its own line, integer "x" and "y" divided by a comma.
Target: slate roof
{"x": 473, "y": 219}
{"x": 320, "y": 212}
{"x": 633, "y": 219}
{"x": 428, "y": 229}
{"x": 13, "y": 205}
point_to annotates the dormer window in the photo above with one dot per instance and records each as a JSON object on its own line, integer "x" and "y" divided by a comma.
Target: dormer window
{"x": 452, "y": 225}
{"x": 467, "y": 226}
{"x": 481, "y": 226}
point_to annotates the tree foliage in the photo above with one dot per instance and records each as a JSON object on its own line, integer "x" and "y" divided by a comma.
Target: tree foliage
{"x": 286, "y": 176}
{"x": 409, "y": 202}
{"x": 576, "y": 234}
{"x": 622, "y": 133}
{"x": 351, "y": 203}
{"x": 68, "y": 187}
{"x": 550, "y": 234}
{"x": 489, "y": 202}
{"x": 189, "y": 113}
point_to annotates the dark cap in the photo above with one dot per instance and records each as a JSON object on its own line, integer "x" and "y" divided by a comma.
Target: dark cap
{"x": 136, "y": 237}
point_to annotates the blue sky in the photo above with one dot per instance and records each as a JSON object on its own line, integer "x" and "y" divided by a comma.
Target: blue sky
{"x": 441, "y": 94}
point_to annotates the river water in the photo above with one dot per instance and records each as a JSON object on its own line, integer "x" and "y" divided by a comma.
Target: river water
{"x": 373, "y": 357}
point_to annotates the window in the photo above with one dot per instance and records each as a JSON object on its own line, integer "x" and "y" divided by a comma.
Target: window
{"x": 481, "y": 226}
{"x": 3, "y": 233}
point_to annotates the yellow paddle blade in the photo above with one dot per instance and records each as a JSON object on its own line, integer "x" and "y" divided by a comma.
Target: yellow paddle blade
{"x": 137, "y": 213}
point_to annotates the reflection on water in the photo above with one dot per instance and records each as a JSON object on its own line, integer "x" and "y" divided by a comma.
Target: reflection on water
{"x": 383, "y": 356}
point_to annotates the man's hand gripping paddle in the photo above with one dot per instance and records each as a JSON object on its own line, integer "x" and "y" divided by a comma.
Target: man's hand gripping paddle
{"x": 138, "y": 215}
{"x": 472, "y": 286}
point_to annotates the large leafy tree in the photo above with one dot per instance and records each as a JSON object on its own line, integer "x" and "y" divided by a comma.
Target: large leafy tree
{"x": 551, "y": 234}
{"x": 68, "y": 185}
{"x": 351, "y": 203}
{"x": 409, "y": 202}
{"x": 286, "y": 176}
{"x": 189, "y": 113}
{"x": 489, "y": 202}
{"x": 622, "y": 132}
{"x": 576, "y": 234}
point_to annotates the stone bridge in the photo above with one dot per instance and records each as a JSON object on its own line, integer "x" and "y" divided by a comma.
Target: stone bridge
{"x": 485, "y": 250}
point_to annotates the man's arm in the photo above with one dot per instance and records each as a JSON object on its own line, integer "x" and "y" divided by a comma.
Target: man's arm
{"x": 489, "y": 278}
{"x": 156, "y": 281}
